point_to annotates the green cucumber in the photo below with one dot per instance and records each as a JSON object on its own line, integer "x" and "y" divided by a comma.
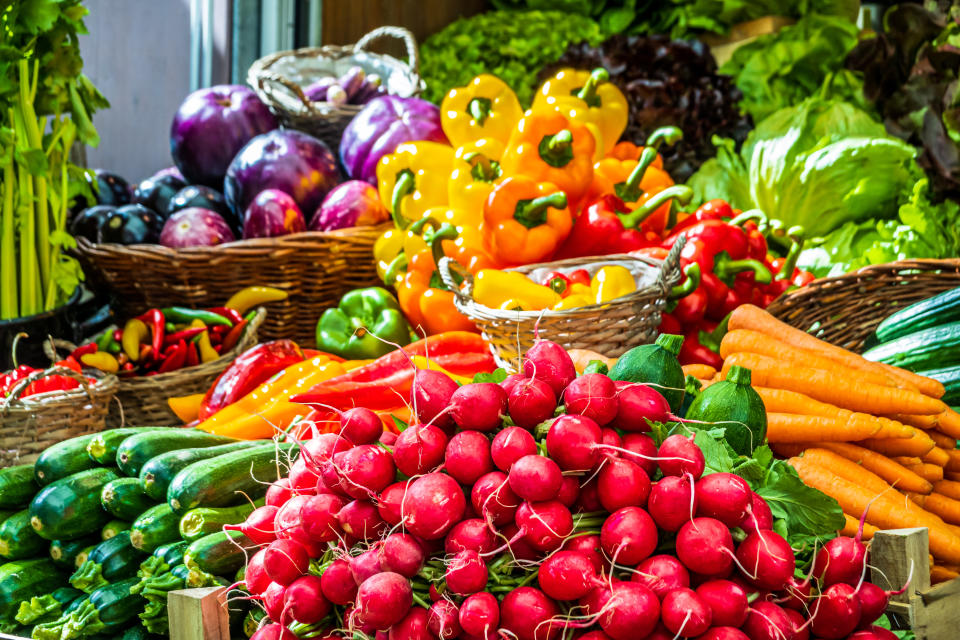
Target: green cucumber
{"x": 733, "y": 405}
{"x": 108, "y": 609}
{"x": 47, "y": 607}
{"x": 941, "y": 309}
{"x": 219, "y": 553}
{"x": 114, "y": 527}
{"x": 63, "y": 459}
{"x": 203, "y": 521}
{"x": 103, "y": 447}
{"x": 23, "y": 579}
{"x": 657, "y": 365}
{"x": 949, "y": 377}
{"x": 70, "y": 508}
{"x": 124, "y": 498}
{"x": 156, "y": 474}
{"x": 156, "y": 526}
{"x": 925, "y": 349}
{"x": 112, "y": 560}
{"x": 17, "y": 486}
{"x": 64, "y": 552}
{"x": 226, "y": 480}
{"x": 135, "y": 451}
{"x": 18, "y": 540}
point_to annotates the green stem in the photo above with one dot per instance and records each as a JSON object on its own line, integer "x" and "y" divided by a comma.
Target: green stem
{"x": 629, "y": 189}
{"x": 482, "y": 168}
{"x": 756, "y": 215}
{"x": 557, "y": 149}
{"x": 727, "y": 269}
{"x": 690, "y": 283}
{"x": 60, "y": 220}
{"x": 679, "y": 192}
{"x": 796, "y": 235}
{"x": 479, "y": 109}
{"x": 533, "y": 213}
{"x": 670, "y": 135}
{"x": 8, "y": 262}
{"x": 405, "y": 185}
{"x": 29, "y": 273}
{"x": 588, "y": 92}
{"x": 34, "y": 138}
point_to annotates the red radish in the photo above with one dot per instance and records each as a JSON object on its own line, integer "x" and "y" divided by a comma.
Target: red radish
{"x": 545, "y": 525}
{"x": 767, "y": 559}
{"x": 593, "y": 395}
{"x": 801, "y": 630}
{"x": 727, "y": 601}
{"x": 767, "y": 621}
{"x": 480, "y": 616}
{"x": 366, "y": 469}
{"x": 725, "y": 633}
{"x": 569, "y": 490}
{"x": 493, "y": 499}
{"x": 758, "y": 515}
{"x": 535, "y": 478}
{"x": 678, "y": 455}
{"x": 472, "y": 534}
{"x": 279, "y": 492}
{"x": 511, "y": 381}
{"x": 401, "y": 553}
{"x": 611, "y": 438}
{"x": 365, "y": 565}
{"x": 572, "y": 442}
{"x": 518, "y": 546}
{"x": 434, "y": 503}
{"x": 622, "y": 483}
{"x": 549, "y": 362}
{"x": 390, "y": 503}
{"x": 361, "y": 520}
{"x": 531, "y": 402}
{"x": 272, "y": 598}
{"x": 360, "y": 426}
{"x": 466, "y": 573}
{"x": 443, "y": 620}
{"x": 285, "y": 561}
{"x": 255, "y": 575}
{"x": 641, "y": 449}
{"x": 303, "y": 479}
{"x": 662, "y": 574}
{"x": 510, "y": 445}
{"x": 874, "y": 600}
{"x": 412, "y": 627}
{"x": 628, "y": 536}
{"x": 479, "y": 406}
{"x": 525, "y": 613}
{"x": 600, "y": 635}
{"x": 588, "y": 545}
{"x": 337, "y": 582}
{"x": 685, "y": 613}
{"x": 383, "y": 600}
{"x": 589, "y": 498}
{"x": 672, "y": 502}
{"x": 419, "y": 449}
{"x": 840, "y": 560}
{"x": 319, "y": 516}
{"x": 331, "y": 477}
{"x": 304, "y": 601}
{"x": 352, "y": 617}
{"x": 389, "y": 438}
{"x": 630, "y": 610}
{"x": 704, "y": 545}
{"x": 873, "y": 633}
{"x": 723, "y": 496}
{"x": 274, "y": 631}
{"x": 430, "y": 395}
{"x": 322, "y": 448}
{"x": 836, "y": 613}
{"x": 467, "y": 456}
{"x": 798, "y": 594}
{"x": 637, "y": 406}
{"x": 259, "y": 526}
{"x": 568, "y": 575}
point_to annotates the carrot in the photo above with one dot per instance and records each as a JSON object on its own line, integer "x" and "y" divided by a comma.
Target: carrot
{"x": 789, "y": 427}
{"x": 947, "y": 421}
{"x": 948, "y": 488}
{"x": 951, "y": 475}
{"x": 920, "y": 422}
{"x": 947, "y": 508}
{"x": 940, "y": 574}
{"x": 783, "y": 401}
{"x": 833, "y": 387}
{"x": 937, "y": 456}
{"x": 953, "y": 464}
{"x": 790, "y": 449}
{"x": 906, "y": 459}
{"x": 748, "y": 316}
{"x": 699, "y": 371}
{"x": 846, "y": 469}
{"x": 892, "y": 472}
{"x": 942, "y": 440}
{"x": 852, "y": 525}
{"x": 931, "y": 472}
{"x": 918, "y": 445}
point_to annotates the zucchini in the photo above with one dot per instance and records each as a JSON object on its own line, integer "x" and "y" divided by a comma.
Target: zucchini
{"x": 103, "y": 447}
{"x": 112, "y": 560}
{"x": 4, "y": 514}
{"x": 941, "y": 309}
{"x": 197, "y": 523}
{"x": 949, "y": 377}
{"x": 156, "y": 474}
{"x": 124, "y": 498}
{"x": 655, "y": 364}
{"x": 70, "y": 508}
{"x": 135, "y": 451}
{"x": 112, "y": 528}
{"x": 63, "y": 459}
{"x": 83, "y": 555}
{"x": 47, "y": 607}
{"x": 135, "y": 633}
{"x": 163, "y": 558}
{"x": 17, "y": 486}
{"x": 23, "y": 579}
{"x": 224, "y": 480}
{"x": 64, "y": 552}
{"x": 219, "y": 553}
{"x": 108, "y": 609}
{"x": 733, "y": 405}
{"x": 925, "y": 349}
{"x": 155, "y": 527}
{"x": 18, "y": 540}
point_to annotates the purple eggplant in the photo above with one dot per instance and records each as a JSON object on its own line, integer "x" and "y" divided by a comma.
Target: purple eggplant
{"x": 156, "y": 192}
{"x": 87, "y": 223}
{"x": 196, "y": 195}
{"x": 272, "y": 213}
{"x": 352, "y": 80}
{"x": 353, "y": 203}
{"x": 371, "y": 88}
{"x": 317, "y": 91}
{"x": 110, "y": 188}
{"x": 195, "y": 227}
{"x": 131, "y": 224}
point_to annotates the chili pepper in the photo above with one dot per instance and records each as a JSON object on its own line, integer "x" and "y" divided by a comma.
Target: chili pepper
{"x": 251, "y": 297}
{"x": 90, "y": 347}
{"x": 219, "y": 330}
{"x": 186, "y": 408}
{"x": 100, "y": 360}
{"x": 579, "y": 276}
{"x": 128, "y": 367}
{"x": 170, "y": 327}
{"x": 122, "y": 358}
{"x": 599, "y": 230}
{"x": 186, "y": 315}
{"x": 366, "y": 324}
{"x": 232, "y": 338}
{"x": 608, "y": 283}
{"x": 229, "y": 313}
{"x": 525, "y": 221}
{"x": 174, "y": 358}
{"x": 104, "y": 339}
{"x": 590, "y": 98}
{"x": 558, "y": 282}
{"x": 250, "y": 315}
{"x": 476, "y": 169}
{"x": 207, "y": 352}
{"x": 146, "y": 353}
{"x": 183, "y": 334}
{"x": 413, "y": 179}
{"x": 193, "y": 359}
{"x": 155, "y": 319}
{"x": 494, "y": 288}
{"x": 134, "y": 333}
{"x": 485, "y": 108}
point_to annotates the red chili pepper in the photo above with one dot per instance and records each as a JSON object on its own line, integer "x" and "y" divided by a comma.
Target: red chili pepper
{"x": 219, "y": 330}
{"x": 146, "y": 353}
{"x": 90, "y": 347}
{"x": 232, "y": 338}
{"x": 157, "y": 324}
{"x": 192, "y": 358}
{"x": 175, "y": 359}
{"x": 605, "y": 227}
{"x": 230, "y": 314}
{"x": 184, "y": 334}
{"x": 117, "y": 335}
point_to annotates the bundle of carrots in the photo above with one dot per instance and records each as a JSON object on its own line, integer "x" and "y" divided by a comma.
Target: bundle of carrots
{"x": 874, "y": 437}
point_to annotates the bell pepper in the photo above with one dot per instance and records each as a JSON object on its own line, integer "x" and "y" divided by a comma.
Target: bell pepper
{"x": 694, "y": 351}
{"x": 413, "y": 179}
{"x": 186, "y": 408}
{"x": 484, "y": 108}
{"x": 186, "y": 315}
{"x": 625, "y": 150}
{"x": 580, "y": 295}
{"x": 366, "y": 324}
{"x": 687, "y": 301}
{"x": 476, "y": 169}
{"x": 716, "y": 209}
{"x": 251, "y": 297}
{"x": 787, "y": 275}
{"x": 425, "y": 301}
{"x": 493, "y": 288}
{"x": 589, "y": 97}
{"x": 599, "y": 230}
{"x": 608, "y": 283}
{"x": 469, "y": 250}
{"x": 525, "y": 220}
{"x": 547, "y": 146}
{"x": 558, "y": 282}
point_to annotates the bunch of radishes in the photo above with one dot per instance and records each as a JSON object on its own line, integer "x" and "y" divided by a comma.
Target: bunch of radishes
{"x": 466, "y": 526}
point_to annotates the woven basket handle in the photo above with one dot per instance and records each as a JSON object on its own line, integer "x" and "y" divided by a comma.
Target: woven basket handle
{"x": 290, "y": 85}
{"x": 21, "y": 386}
{"x": 671, "y": 263}
{"x": 448, "y": 267}
{"x": 399, "y": 33}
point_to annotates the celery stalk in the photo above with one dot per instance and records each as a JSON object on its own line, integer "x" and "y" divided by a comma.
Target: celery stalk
{"x": 8, "y": 261}
{"x": 34, "y": 139}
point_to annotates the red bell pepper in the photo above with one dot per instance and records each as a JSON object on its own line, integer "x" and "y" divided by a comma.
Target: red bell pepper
{"x": 693, "y": 351}
{"x": 711, "y": 210}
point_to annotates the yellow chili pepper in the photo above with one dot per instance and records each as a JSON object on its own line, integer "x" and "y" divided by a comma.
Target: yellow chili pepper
{"x": 484, "y": 108}
{"x": 134, "y": 333}
{"x": 207, "y": 352}
{"x": 590, "y": 98}
{"x": 492, "y": 288}
{"x": 246, "y": 299}
{"x": 101, "y": 360}
{"x": 580, "y": 296}
{"x": 612, "y": 281}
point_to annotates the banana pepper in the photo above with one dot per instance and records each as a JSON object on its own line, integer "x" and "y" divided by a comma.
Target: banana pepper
{"x": 608, "y": 283}
{"x": 484, "y": 108}
{"x": 590, "y": 98}
{"x": 414, "y": 178}
{"x": 476, "y": 169}
{"x": 525, "y": 220}
{"x": 511, "y": 290}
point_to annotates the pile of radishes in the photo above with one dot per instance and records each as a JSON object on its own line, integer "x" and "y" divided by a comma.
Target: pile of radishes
{"x": 466, "y": 526}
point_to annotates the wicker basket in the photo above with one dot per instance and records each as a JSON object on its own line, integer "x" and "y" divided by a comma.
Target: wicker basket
{"x": 143, "y": 399}
{"x": 845, "y": 310}
{"x": 30, "y": 425}
{"x": 609, "y": 329}
{"x": 279, "y": 77}
{"x": 315, "y": 268}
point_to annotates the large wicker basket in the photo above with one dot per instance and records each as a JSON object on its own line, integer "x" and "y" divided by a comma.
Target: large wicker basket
{"x": 845, "y": 310}
{"x": 30, "y": 425}
{"x": 315, "y": 268}
{"x": 279, "y": 79}
{"x": 609, "y": 329}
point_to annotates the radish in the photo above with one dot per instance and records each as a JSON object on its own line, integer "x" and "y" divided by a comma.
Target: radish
{"x": 535, "y": 478}
{"x": 549, "y": 362}
{"x": 303, "y": 479}
{"x": 600, "y": 635}
{"x": 479, "y": 406}
{"x": 467, "y": 456}
{"x": 628, "y": 536}
{"x": 589, "y": 498}
{"x": 259, "y": 526}
{"x": 401, "y": 553}
{"x": 572, "y": 442}
{"x": 285, "y": 561}
{"x": 660, "y": 632}
{"x": 593, "y": 395}
{"x": 472, "y": 534}
{"x": 321, "y": 448}
{"x": 390, "y": 502}
{"x": 837, "y": 612}
{"x": 727, "y": 601}
{"x": 767, "y": 559}
{"x": 384, "y": 600}
{"x": 289, "y": 522}
{"x": 493, "y": 499}
{"x": 568, "y": 575}
{"x": 767, "y": 621}
{"x": 319, "y": 515}
{"x": 412, "y": 627}
{"x": 637, "y": 406}
{"x": 366, "y": 469}
{"x": 840, "y": 560}
{"x": 466, "y": 573}
{"x": 873, "y": 633}
{"x": 642, "y": 450}
{"x": 874, "y": 600}
{"x": 630, "y": 610}
{"x": 255, "y": 575}
{"x": 545, "y": 525}
{"x": 443, "y": 620}
{"x": 569, "y": 491}
{"x": 365, "y": 565}
{"x": 419, "y": 449}
{"x": 361, "y": 520}
{"x": 274, "y": 631}
{"x": 510, "y": 445}
{"x": 511, "y": 381}
{"x": 525, "y": 612}
{"x": 704, "y": 545}
{"x": 622, "y": 483}
{"x": 685, "y": 613}
{"x": 801, "y": 630}
{"x": 331, "y": 477}
{"x": 798, "y": 594}
{"x": 273, "y": 600}
{"x": 337, "y": 582}
{"x": 723, "y": 496}
{"x": 725, "y": 633}
{"x": 531, "y": 402}
{"x": 672, "y": 502}
{"x": 433, "y": 504}
{"x": 678, "y": 455}
{"x": 480, "y": 616}
{"x": 351, "y": 616}
{"x": 361, "y": 426}
{"x": 430, "y": 395}
{"x": 611, "y": 438}
{"x": 388, "y": 438}
{"x": 588, "y": 545}
{"x": 758, "y": 515}
{"x": 279, "y": 492}
{"x": 662, "y": 574}
{"x": 304, "y": 601}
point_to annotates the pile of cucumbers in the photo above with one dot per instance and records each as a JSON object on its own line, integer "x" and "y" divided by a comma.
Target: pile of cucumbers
{"x": 96, "y": 532}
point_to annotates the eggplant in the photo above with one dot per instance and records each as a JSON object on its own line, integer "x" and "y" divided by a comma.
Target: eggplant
{"x": 317, "y": 91}
{"x": 110, "y": 188}
{"x": 195, "y": 227}
{"x": 88, "y": 222}
{"x": 352, "y": 80}
{"x": 156, "y": 192}
{"x": 131, "y": 224}
{"x": 202, "y": 197}
{"x": 272, "y": 213}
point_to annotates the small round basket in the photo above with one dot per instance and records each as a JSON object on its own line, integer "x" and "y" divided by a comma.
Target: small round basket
{"x": 143, "y": 399}
{"x": 30, "y": 425}
{"x": 279, "y": 79}
{"x": 845, "y": 310}
{"x": 609, "y": 329}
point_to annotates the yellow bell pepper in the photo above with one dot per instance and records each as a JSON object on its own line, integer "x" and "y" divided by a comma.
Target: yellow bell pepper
{"x": 391, "y": 244}
{"x": 609, "y": 283}
{"x": 590, "y": 98}
{"x": 476, "y": 170}
{"x": 485, "y": 108}
{"x": 413, "y": 179}
{"x": 493, "y": 288}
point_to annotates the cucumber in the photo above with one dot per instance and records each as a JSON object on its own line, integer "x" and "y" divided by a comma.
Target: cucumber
{"x": 156, "y": 526}
{"x": 950, "y": 378}
{"x": 64, "y": 552}
{"x": 220, "y": 553}
{"x": 112, "y": 560}
{"x": 63, "y": 459}
{"x": 23, "y": 579}
{"x": 70, "y": 508}
{"x": 112, "y": 528}
{"x": 18, "y": 540}
{"x": 655, "y": 364}
{"x": 124, "y": 498}
{"x": 925, "y": 349}
{"x": 47, "y": 607}
{"x": 108, "y": 609}
{"x": 135, "y": 451}
{"x": 17, "y": 486}
{"x": 733, "y": 405}
{"x": 103, "y": 447}
{"x": 226, "y": 480}
{"x": 941, "y": 309}
{"x": 156, "y": 474}
{"x": 203, "y": 521}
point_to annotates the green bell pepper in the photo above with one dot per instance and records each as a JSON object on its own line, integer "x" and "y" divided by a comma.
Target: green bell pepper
{"x": 363, "y": 325}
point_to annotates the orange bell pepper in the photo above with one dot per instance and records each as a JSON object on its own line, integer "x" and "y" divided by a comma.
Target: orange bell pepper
{"x": 525, "y": 220}
{"x": 429, "y": 308}
{"x": 626, "y": 150}
{"x": 468, "y": 249}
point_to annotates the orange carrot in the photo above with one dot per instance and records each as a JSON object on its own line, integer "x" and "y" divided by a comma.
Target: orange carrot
{"x": 905, "y": 459}
{"x": 948, "y": 421}
{"x": 891, "y": 472}
{"x": 918, "y": 445}
{"x": 790, "y": 449}
{"x": 948, "y": 488}
{"x": 852, "y": 525}
{"x": 951, "y": 475}
{"x": 931, "y": 472}
{"x": 783, "y": 401}
{"x": 937, "y": 456}
{"x": 920, "y": 422}
{"x": 846, "y": 469}
{"x": 947, "y": 508}
{"x": 699, "y": 371}
{"x": 953, "y": 464}
{"x": 789, "y": 427}
{"x": 940, "y": 574}
{"x": 942, "y": 440}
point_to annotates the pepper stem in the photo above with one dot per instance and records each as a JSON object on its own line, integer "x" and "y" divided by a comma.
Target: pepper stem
{"x": 435, "y": 237}
{"x": 670, "y": 342}
{"x": 557, "y": 150}
{"x": 680, "y": 192}
{"x": 796, "y": 235}
{"x": 739, "y": 375}
{"x": 402, "y": 188}
{"x": 690, "y": 283}
{"x": 629, "y": 189}
{"x": 670, "y": 135}
{"x": 479, "y": 109}
{"x": 588, "y": 92}
{"x": 397, "y": 265}
{"x": 726, "y": 269}
{"x": 482, "y": 168}
{"x": 757, "y": 215}
{"x": 533, "y": 213}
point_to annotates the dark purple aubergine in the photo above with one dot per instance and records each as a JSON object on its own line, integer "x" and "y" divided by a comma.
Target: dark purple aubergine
{"x": 87, "y": 223}
{"x": 111, "y": 189}
{"x": 317, "y": 91}
{"x": 131, "y": 224}
{"x": 195, "y": 227}
{"x": 272, "y": 213}
{"x": 196, "y": 195}
{"x": 156, "y": 192}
